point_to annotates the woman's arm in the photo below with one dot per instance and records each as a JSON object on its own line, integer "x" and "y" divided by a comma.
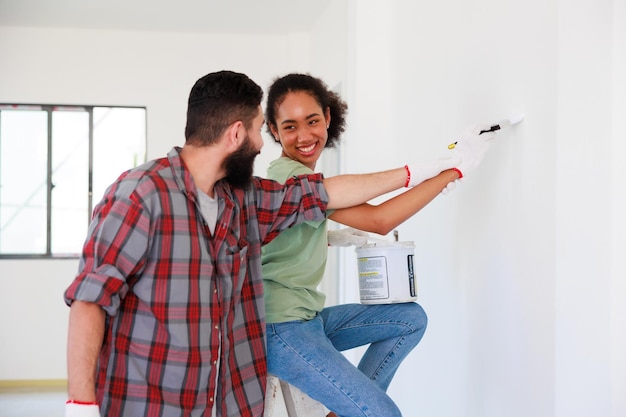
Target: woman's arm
{"x": 385, "y": 217}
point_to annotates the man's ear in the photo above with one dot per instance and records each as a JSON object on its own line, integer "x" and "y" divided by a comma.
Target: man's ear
{"x": 235, "y": 135}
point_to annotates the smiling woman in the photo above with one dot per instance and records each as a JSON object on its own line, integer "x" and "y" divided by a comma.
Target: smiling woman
{"x": 305, "y": 117}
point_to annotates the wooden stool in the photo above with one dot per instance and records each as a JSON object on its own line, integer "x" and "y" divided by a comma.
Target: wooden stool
{"x": 297, "y": 403}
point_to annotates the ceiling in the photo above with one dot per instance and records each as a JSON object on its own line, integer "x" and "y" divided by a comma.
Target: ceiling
{"x": 208, "y": 16}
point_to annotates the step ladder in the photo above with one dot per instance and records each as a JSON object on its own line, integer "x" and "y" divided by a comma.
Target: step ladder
{"x": 297, "y": 403}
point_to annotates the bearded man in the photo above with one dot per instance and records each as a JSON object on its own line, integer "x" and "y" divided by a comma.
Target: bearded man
{"x": 167, "y": 310}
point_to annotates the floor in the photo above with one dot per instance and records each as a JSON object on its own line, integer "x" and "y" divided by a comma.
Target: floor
{"x": 32, "y": 403}
{"x": 50, "y": 402}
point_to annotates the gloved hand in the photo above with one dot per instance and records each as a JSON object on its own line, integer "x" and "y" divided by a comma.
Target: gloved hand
{"x": 347, "y": 237}
{"x": 420, "y": 172}
{"x": 81, "y": 410}
{"x": 471, "y": 148}
{"x": 451, "y": 186}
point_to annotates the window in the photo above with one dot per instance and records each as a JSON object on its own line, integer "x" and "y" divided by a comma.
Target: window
{"x": 55, "y": 164}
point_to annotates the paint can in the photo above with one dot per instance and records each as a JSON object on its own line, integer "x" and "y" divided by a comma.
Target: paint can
{"x": 386, "y": 273}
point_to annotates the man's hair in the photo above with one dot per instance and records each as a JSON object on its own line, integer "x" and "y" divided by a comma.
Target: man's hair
{"x": 315, "y": 87}
{"x": 216, "y": 101}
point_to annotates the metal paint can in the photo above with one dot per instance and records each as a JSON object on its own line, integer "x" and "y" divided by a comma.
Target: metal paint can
{"x": 386, "y": 273}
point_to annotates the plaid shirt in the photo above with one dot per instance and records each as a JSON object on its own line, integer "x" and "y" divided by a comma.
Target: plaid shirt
{"x": 177, "y": 297}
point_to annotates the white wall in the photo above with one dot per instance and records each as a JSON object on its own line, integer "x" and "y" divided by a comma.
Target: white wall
{"x": 518, "y": 268}
{"x": 583, "y": 205}
{"x": 618, "y": 220}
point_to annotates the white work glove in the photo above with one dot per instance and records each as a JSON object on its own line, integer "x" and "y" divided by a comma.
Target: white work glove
{"x": 347, "y": 237}
{"x": 471, "y": 148}
{"x": 81, "y": 410}
{"x": 420, "y": 172}
{"x": 451, "y": 186}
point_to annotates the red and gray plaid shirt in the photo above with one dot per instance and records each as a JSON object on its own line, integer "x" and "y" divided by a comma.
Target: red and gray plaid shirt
{"x": 176, "y": 296}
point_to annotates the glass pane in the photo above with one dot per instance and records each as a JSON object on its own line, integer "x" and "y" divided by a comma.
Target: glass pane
{"x": 70, "y": 181}
{"x": 119, "y": 143}
{"x": 23, "y": 184}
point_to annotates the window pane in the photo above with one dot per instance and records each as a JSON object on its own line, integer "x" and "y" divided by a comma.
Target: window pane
{"x": 23, "y": 186}
{"x": 70, "y": 180}
{"x": 119, "y": 141}
{"x": 45, "y": 204}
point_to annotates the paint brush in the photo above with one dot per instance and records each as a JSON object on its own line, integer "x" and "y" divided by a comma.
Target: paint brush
{"x": 511, "y": 121}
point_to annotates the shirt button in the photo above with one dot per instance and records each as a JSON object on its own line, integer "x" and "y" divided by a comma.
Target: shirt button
{"x": 217, "y": 327}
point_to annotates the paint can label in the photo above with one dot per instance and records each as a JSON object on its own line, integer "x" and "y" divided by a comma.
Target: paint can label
{"x": 373, "y": 278}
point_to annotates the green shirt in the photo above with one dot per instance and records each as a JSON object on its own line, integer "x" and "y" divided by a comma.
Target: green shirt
{"x": 294, "y": 262}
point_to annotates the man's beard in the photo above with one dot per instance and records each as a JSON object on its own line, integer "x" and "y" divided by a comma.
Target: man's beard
{"x": 240, "y": 164}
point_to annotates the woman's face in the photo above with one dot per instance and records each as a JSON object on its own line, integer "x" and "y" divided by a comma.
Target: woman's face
{"x": 301, "y": 127}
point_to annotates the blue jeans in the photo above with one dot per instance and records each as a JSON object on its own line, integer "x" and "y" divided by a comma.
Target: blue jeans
{"x": 307, "y": 354}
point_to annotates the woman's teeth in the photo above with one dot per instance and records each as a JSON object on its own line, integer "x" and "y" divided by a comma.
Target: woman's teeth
{"x": 307, "y": 149}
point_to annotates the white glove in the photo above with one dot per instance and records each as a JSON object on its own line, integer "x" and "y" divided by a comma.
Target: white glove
{"x": 471, "y": 148}
{"x": 451, "y": 186}
{"x": 81, "y": 410}
{"x": 347, "y": 237}
{"x": 418, "y": 173}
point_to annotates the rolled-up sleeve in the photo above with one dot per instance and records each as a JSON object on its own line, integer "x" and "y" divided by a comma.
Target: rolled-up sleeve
{"x": 115, "y": 250}
{"x": 280, "y": 206}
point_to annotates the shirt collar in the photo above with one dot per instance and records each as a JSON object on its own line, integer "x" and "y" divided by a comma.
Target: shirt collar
{"x": 181, "y": 174}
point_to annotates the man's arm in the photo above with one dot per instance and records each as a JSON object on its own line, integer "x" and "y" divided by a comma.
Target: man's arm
{"x": 85, "y": 336}
{"x": 354, "y": 189}
{"x": 390, "y": 214}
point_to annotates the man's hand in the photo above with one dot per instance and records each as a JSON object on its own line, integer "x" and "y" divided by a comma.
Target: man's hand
{"x": 347, "y": 237}
{"x": 81, "y": 410}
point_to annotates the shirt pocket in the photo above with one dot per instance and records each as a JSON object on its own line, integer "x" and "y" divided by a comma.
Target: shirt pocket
{"x": 239, "y": 265}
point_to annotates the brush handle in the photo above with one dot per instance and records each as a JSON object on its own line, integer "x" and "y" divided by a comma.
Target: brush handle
{"x": 491, "y": 129}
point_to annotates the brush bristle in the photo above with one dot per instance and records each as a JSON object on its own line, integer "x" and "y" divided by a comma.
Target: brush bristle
{"x": 516, "y": 118}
